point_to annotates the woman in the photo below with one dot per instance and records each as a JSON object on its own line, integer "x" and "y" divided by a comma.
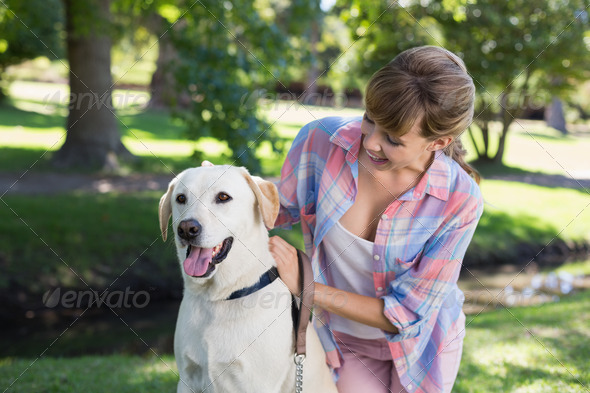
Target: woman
{"x": 387, "y": 207}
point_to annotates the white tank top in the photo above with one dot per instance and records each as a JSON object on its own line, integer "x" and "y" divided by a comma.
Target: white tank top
{"x": 350, "y": 264}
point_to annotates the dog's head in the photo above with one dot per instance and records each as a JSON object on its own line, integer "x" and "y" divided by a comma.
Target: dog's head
{"x": 220, "y": 216}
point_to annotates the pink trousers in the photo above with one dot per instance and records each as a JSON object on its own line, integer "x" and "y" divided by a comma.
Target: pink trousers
{"x": 368, "y": 365}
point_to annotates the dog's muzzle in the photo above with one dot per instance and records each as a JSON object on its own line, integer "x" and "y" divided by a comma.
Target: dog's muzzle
{"x": 201, "y": 262}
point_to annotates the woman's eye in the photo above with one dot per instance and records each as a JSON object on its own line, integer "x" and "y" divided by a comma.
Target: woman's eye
{"x": 223, "y": 197}
{"x": 181, "y": 198}
{"x": 392, "y": 142}
{"x": 367, "y": 119}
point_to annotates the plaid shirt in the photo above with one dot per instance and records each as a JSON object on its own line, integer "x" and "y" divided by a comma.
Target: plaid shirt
{"x": 419, "y": 245}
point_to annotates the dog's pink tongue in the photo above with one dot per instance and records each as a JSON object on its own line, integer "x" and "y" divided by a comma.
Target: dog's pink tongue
{"x": 198, "y": 261}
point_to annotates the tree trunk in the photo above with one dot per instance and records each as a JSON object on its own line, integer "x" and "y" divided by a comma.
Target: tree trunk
{"x": 163, "y": 85}
{"x": 502, "y": 143}
{"x": 554, "y": 116}
{"x": 93, "y": 139}
{"x": 311, "y": 96}
{"x": 2, "y": 95}
{"x": 582, "y": 112}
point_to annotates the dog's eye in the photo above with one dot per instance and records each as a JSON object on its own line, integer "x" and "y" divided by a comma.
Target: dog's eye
{"x": 223, "y": 197}
{"x": 181, "y": 198}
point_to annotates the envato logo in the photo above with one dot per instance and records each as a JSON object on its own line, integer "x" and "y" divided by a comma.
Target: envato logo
{"x": 279, "y": 300}
{"x": 89, "y": 299}
{"x": 272, "y": 99}
{"x": 91, "y": 100}
{"x": 513, "y": 101}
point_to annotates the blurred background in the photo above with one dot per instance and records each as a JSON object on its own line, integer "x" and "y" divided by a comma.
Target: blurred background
{"x": 102, "y": 102}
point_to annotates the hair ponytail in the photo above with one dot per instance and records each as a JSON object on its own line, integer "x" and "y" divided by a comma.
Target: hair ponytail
{"x": 457, "y": 152}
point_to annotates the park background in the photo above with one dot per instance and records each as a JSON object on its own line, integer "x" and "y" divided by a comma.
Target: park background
{"x": 103, "y": 102}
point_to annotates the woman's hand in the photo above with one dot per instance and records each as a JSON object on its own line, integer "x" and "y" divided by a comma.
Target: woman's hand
{"x": 285, "y": 255}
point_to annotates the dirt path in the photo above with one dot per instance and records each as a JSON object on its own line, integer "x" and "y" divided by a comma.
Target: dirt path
{"x": 36, "y": 183}
{"x": 547, "y": 180}
{"x": 33, "y": 183}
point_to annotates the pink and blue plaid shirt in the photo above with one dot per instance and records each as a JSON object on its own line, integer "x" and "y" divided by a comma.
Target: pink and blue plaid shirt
{"x": 419, "y": 246}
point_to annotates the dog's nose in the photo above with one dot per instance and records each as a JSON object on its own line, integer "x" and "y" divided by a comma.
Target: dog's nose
{"x": 189, "y": 229}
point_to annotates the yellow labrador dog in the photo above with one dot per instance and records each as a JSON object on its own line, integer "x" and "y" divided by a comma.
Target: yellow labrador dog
{"x": 234, "y": 331}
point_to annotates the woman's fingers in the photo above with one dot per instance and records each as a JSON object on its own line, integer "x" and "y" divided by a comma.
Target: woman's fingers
{"x": 285, "y": 256}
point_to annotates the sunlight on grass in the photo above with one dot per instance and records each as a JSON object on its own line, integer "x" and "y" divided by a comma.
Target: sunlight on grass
{"x": 576, "y": 268}
{"x": 568, "y": 210}
{"x": 48, "y": 138}
{"x": 115, "y": 373}
{"x": 529, "y": 349}
{"x": 532, "y": 146}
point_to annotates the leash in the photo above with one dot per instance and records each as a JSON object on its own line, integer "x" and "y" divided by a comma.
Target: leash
{"x": 306, "y": 296}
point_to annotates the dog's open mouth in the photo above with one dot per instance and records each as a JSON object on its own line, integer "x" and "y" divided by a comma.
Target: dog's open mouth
{"x": 200, "y": 262}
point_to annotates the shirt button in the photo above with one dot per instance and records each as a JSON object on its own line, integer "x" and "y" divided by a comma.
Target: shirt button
{"x": 410, "y": 386}
{"x": 376, "y": 257}
{"x": 380, "y": 289}
{"x": 384, "y": 216}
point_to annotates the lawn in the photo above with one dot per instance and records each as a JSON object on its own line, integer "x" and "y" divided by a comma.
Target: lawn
{"x": 33, "y": 127}
{"x": 541, "y": 349}
{"x": 68, "y": 239}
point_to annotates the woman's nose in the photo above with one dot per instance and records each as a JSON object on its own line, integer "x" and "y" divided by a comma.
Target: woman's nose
{"x": 370, "y": 141}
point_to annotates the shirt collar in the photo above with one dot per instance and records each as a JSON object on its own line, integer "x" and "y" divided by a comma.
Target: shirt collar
{"x": 435, "y": 182}
{"x": 348, "y": 138}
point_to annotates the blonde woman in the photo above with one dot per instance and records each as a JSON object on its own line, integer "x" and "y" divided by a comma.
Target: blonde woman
{"x": 387, "y": 207}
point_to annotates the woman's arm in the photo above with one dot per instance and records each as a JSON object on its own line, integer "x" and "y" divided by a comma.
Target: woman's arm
{"x": 359, "y": 308}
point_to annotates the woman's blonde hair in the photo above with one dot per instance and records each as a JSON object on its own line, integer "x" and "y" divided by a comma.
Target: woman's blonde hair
{"x": 427, "y": 84}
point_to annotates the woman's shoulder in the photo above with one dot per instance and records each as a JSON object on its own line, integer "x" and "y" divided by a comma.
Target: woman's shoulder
{"x": 462, "y": 185}
{"x": 326, "y": 127}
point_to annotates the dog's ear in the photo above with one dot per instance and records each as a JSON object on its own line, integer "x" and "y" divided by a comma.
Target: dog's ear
{"x": 165, "y": 209}
{"x": 267, "y": 196}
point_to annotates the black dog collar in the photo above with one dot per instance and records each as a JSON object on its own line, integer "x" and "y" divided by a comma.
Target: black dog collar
{"x": 268, "y": 277}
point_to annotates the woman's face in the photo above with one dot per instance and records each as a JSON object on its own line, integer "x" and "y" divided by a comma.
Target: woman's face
{"x": 382, "y": 151}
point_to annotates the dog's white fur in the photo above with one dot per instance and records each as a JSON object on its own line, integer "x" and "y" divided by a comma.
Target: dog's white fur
{"x": 246, "y": 344}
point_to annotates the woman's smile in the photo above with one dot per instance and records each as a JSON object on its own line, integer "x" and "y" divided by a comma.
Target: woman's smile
{"x": 375, "y": 159}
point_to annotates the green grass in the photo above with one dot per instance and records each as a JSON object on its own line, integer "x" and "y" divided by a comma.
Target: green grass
{"x": 515, "y": 213}
{"x": 78, "y": 239}
{"x": 89, "y": 374}
{"x": 519, "y": 213}
{"x": 36, "y": 117}
{"x": 66, "y": 240}
{"x": 543, "y": 349}
{"x": 533, "y": 147}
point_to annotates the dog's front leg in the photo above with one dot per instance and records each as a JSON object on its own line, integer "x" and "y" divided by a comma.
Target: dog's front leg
{"x": 191, "y": 377}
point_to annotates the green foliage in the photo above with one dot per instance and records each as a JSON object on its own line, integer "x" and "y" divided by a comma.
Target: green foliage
{"x": 227, "y": 51}
{"x": 29, "y": 29}
{"x": 519, "y": 53}
{"x": 519, "y": 46}
{"x": 381, "y": 30}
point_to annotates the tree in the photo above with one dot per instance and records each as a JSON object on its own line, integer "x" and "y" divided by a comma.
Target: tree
{"x": 214, "y": 57}
{"x": 227, "y": 51}
{"x": 381, "y": 30}
{"x": 515, "y": 51}
{"x": 93, "y": 138}
{"x": 28, "y": 30}
{"x": 518, "y": 52}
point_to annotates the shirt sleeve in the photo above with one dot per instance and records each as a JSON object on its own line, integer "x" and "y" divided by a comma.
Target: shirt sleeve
{"x": 412, "y": 298}
{"x": 289, "y": 184}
